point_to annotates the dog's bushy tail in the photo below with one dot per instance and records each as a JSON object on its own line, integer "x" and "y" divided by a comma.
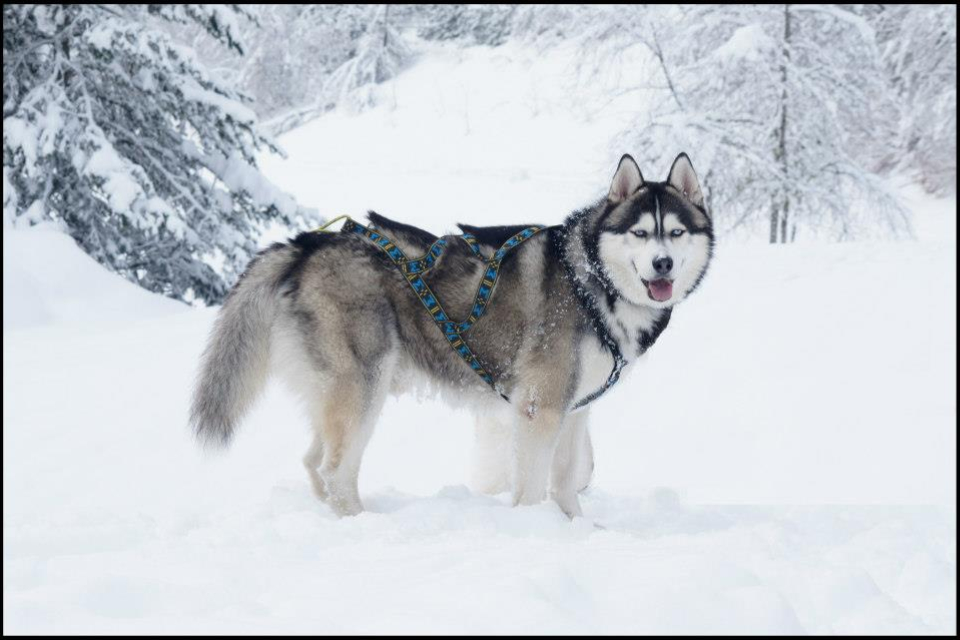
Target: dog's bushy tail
{"x": 236, "y": 361}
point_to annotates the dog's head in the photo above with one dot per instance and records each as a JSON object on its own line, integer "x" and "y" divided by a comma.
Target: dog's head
{"x": 655, "y": 239}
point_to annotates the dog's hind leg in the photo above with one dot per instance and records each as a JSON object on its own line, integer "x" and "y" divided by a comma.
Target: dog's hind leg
{"x": 345, "y": 428}
{"x": 351, "y": 407}
{"x": 572, "y": 464}
{"x": 344, "y": 432}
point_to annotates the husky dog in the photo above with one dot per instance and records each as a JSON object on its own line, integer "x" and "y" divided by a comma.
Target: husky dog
{"x": 574, "y": 305}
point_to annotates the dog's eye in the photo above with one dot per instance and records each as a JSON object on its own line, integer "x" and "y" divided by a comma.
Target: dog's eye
{"x": 640, "y": 233}
{"x": 676, "y": 233}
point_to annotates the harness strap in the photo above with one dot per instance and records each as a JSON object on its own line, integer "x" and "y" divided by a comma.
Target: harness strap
{"x": 589, "y": 304}
{"x": 474, "y": 245}
{"x": 619, "y": 362}
{"x": 413, "y": 271}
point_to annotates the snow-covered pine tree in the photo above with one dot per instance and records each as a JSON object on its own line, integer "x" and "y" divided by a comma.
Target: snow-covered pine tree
{"x": 771, "y": 101}
{"x": 124, "y": 139}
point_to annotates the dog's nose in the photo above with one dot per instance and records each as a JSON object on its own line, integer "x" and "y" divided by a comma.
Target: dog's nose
{"x": 663, "y": 265}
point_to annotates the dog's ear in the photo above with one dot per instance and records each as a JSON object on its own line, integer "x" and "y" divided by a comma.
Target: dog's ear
{"x": 626, "y": 180}
{"x": 684, "y": 179}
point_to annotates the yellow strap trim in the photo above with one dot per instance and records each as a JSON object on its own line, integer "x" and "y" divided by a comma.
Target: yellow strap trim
{"x": 323, "y": 229}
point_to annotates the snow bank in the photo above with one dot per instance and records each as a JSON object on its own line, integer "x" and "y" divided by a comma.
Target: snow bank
{"x": 48, "y": 278}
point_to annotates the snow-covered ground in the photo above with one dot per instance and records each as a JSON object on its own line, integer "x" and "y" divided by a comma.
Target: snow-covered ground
{"x": 784, "y": 461}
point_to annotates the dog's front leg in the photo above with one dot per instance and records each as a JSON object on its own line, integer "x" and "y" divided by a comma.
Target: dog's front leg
{"x": 572, "y": 464}
{"x": 535, "y": 438}
{"x": 492, "y": 451}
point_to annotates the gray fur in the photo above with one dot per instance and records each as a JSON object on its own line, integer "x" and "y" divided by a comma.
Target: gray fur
{"x": 236, "y": 361}
{"x": 331, "y": 315}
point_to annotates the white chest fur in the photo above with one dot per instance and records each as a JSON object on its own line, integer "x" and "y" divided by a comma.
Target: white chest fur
{"x": 596, "y": 363}
{"x": 627, "y": 323}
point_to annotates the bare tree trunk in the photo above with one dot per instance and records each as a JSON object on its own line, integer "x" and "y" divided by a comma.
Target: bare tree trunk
{"x": 783, "y": 219}
{"x": 386, "y": 23}
{"x": 781, "y": 213}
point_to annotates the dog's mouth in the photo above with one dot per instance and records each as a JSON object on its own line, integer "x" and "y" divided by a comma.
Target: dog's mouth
{"x": 660, "y": 290}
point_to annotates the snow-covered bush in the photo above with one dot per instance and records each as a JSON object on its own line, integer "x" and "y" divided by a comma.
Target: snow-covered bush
{"x": 381, "y": 52}
{"x": 919, "y": 51}
{"x": 488, "y": 24}
{"x": 304, "y": 60}
{"x": 131, "y": 145}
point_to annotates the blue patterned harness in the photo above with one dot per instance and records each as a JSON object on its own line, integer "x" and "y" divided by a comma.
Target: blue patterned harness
{"x": 414, "y": 270}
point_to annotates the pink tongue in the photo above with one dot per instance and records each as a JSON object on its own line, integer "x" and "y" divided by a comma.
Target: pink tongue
{"x": 661, "y": 290}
